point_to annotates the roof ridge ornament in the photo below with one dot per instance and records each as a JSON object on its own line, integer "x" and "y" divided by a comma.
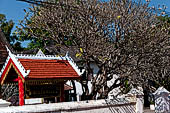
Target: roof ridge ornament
{"x": 73, "y": 64}
{"x": 17, "y": 62}
{"x": 67, "y": 54}
{"x": 8, "y": 49}
{"x": 40, "y": 53}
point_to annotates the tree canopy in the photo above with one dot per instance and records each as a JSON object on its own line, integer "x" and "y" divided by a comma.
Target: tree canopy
{"x": 7, "y": 27}
{"x": 122, "y": 37}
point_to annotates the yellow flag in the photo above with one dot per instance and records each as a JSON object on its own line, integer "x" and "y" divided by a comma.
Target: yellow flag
{"x": 81, "y": 50}
{"x": 118, "y": 17}
{"x": 78, "y": 55}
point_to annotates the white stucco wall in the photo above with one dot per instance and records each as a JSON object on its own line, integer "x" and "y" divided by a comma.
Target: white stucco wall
{"x": 93, "y": 106}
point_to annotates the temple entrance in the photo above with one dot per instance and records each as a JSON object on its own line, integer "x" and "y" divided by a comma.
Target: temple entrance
{"x": 50, "y": 90}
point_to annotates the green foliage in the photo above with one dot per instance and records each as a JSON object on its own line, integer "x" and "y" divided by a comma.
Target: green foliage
{"x": 126, "y": 87}
{"x": 165, "y": 18}
{"x": 7, "y": 27}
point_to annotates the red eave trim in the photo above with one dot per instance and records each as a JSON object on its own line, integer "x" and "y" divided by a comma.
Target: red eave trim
{"x": 6, "y": 68}
{"x": 57, "y": 77}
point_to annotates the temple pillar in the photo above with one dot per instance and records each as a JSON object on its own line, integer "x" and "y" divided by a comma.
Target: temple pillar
{"x": 21, "y": 91}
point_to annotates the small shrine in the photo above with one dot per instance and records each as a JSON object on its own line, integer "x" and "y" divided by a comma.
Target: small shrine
{"x": 37, "y": 76}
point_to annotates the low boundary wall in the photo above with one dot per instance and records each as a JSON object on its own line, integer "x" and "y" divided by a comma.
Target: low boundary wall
{"x": 92, "y": 106}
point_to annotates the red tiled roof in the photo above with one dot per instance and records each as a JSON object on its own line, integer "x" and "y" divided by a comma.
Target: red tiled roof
{"x": 48, "y": 68}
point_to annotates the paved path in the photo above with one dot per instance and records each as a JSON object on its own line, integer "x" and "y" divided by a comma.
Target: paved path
{"x": 148, "y": 111}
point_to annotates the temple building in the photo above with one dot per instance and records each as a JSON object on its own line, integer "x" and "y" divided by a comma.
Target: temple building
{"x": 39, "y": 76}
{"x": 3, "y": 50}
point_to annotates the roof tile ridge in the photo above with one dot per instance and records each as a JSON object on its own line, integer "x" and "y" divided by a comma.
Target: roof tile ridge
{"x": 47, "y": 57}
{"x": 73, "y": 64}
{"x": 18, "y": 63}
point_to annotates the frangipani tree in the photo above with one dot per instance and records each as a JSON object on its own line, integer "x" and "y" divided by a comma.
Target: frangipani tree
{"x": 121, "y": 36}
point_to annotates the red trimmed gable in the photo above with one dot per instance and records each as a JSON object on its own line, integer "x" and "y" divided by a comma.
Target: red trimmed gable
{"x": 6, "y": 69}
{"x": 43, "y": 68}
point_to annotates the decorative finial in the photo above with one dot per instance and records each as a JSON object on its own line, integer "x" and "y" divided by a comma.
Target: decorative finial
{"x": 8, "y": 49}
{"x": 67, "y": 54}
{"x": 40, "y": 53}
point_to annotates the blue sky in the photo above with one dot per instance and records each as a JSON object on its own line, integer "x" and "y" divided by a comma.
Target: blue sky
{"x": 161, "y": 2}
{"x": 14, "y": 9}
